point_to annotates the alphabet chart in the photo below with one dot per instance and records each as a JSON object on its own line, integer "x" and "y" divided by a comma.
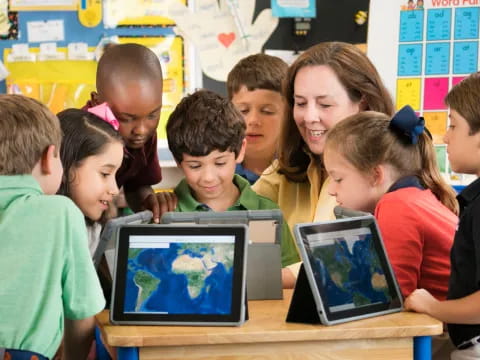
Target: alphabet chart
{"x": 421, "y": 50}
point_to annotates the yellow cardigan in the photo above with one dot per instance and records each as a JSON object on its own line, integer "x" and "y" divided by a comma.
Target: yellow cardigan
{"x": 300, "y": 202}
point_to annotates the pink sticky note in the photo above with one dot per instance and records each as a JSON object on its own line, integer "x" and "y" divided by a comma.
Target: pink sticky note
{"x": 435, "y": 91}
{"x": 457, "y": 79}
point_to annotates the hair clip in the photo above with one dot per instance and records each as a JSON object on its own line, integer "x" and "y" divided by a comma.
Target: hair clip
{"x": 408, "y": 124}
{"x": 104, "y": 112}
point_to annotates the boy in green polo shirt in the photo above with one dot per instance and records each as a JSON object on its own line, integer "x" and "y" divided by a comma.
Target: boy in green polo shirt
{"x": 206, "y": 136}
{"x": 49, "y": 286}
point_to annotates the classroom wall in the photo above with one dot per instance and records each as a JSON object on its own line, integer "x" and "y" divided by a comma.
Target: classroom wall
{"x": 334, "y": 22}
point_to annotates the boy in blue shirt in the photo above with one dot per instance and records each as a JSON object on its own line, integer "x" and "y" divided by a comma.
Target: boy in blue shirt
{"x": 462, "y": 309}
{"x": 206, "y": 136}
{"x": 49, "y": 286}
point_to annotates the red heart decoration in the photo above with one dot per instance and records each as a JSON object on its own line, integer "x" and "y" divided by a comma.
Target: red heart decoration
{"x": 226, "y": 39}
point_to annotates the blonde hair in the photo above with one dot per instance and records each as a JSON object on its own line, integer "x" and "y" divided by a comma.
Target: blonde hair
{"x": 27, "y": 128}
{"x": 357, "y": 75}
{"x": 366, "y": 140}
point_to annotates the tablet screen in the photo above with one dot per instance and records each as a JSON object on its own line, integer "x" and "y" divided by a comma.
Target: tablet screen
{"x": 179, "y": 273}
{"x": 350, "y": 268}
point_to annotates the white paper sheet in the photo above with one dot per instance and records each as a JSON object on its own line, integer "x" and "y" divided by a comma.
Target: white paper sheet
{"x": 43, "y": 31}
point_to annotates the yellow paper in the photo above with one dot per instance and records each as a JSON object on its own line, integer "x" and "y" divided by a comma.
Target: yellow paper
{"x": 408, "y": 93}
{"x": 436, "y": 122}
{"x": 58, "y": 84}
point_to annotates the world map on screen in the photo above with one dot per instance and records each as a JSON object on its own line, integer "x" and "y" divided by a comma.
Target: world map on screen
{"x": 350, "y": 271}
{"x": 184, "y": 278}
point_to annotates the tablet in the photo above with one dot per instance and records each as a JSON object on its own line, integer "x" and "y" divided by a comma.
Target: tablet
{"x": 108, "y": 236}
{"x": 180, "y": 275}
{"x": 264, "y": 263}
{"x": 347, "y": 269}
{"x": 343, "y": 212}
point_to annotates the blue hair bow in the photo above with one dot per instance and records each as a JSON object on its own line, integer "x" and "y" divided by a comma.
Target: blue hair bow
{"x": 406, "y": 123}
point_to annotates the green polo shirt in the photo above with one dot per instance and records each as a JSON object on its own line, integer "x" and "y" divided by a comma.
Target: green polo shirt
{"x": 248, "y": 200}
{"x": 46, "y": 273}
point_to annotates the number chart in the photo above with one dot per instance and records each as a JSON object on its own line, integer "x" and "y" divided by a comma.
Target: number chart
{"x": 421, "y": 49}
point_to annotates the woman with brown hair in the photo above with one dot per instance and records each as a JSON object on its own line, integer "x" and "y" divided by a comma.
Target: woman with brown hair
{"x": 327, "y": 83}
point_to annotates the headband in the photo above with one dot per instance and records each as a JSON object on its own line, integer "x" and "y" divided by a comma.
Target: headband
{"x": 407, "y": 124}
{"x": 104, "y": 112}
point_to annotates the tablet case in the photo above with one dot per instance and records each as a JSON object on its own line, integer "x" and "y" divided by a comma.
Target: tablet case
{"x": 111, "y": 227}
{"x": 264, "y": 261}
{"x": 303, "y": 307}
{"x": 244, "y": 306}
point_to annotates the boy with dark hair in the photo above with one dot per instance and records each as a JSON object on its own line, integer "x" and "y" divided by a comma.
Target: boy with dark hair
{"x": 206, "y": 136}
{"x": 462, "y": 309}
{"x": 254, "y": 86}
{"x": 41, "y": 234}
{"x": 129, "y": 80}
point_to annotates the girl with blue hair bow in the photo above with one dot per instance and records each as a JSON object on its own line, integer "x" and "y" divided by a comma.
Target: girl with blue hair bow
{"x": 388, "y": 167}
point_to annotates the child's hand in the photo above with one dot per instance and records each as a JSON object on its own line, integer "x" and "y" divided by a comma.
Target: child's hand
{"x": 160, "y": 203}
{"x": 167, "y": 201}
{"x": 420, "y": 301}
{"x": 221, "y": 38}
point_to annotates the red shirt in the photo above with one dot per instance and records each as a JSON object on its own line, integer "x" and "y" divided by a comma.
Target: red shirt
{"x": 140, "y": 167}
{"x": 418, "y": 234}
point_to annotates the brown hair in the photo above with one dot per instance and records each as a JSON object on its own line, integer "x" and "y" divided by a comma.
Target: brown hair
{"x": 361, "y": 82}
{"x": 258, "y": 71}
{"x": 203, "y": 122}
{"x": 27, "y": 128}
{"x": 463, "y": 98}
{"x": 366, "y": 140}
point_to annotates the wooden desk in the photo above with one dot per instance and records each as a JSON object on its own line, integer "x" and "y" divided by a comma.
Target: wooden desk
{"x": 267, "y": 336}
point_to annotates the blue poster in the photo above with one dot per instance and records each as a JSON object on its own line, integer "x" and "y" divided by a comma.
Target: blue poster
{"x": 437, "y": 59}
{"x": 294, "y": 8}
{"x": 439, "y": 24}
{"x": 410, "y": 60}
{"x": 411, "y": 25}
{"x": 466, "y": 23}
{"x": 465, "y": 57}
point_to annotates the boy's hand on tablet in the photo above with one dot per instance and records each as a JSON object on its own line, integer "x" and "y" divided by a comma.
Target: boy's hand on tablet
{"x": 167, "y": 201}
{"x": 160, "y": 203}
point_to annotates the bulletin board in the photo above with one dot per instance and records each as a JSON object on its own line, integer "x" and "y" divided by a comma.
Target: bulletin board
{"x": 68, "y": 83}
{"x": 421, "y": 49}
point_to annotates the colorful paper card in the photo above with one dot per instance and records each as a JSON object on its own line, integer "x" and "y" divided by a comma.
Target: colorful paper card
{"x": 435, "y": 91}
{"x": 294, "y": 8}
{"x": 442, "y": 158}
{"x": 409, "y": 60}
{"x": 411, "y": 25}
{"x": 466, "y": 23}
{"x": 437, "y": 59}
{"x": 22, "y": 5}
{"x": 137, "y": 12}
{"x": 457, "y": 79}
{"x": 436, "y": 123}
{"x": 408, "y": 93}
{"x": 59, "y": 84}
{"x": 439, "y": 24}
{"x": 465, "y": 57}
